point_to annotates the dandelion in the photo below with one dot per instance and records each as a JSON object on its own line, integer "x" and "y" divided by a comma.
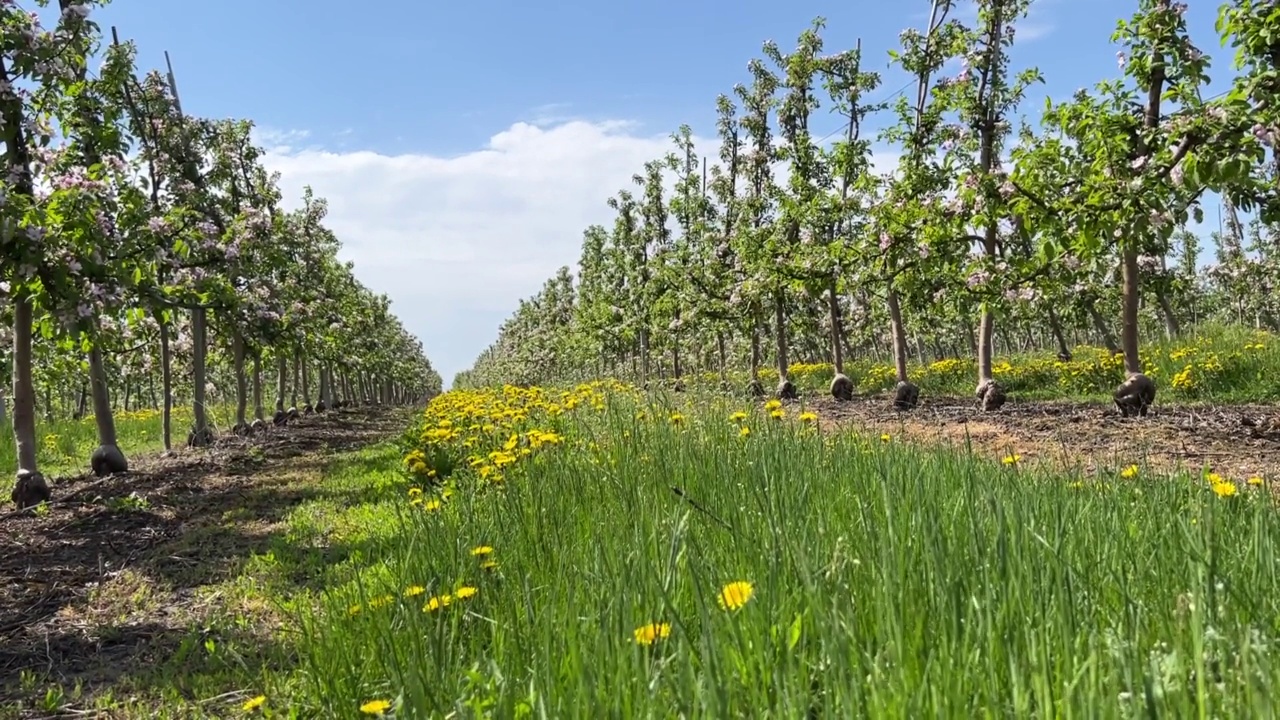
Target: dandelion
{"x": 773, "y": 404}
{"x": 489, "y": 565}
{"x": 738, "y": 417}
{"x": 482, "y": 550}
{"x": 375, "y": 707}
{"x": 676, "y": 418}
{"x": 735, "y": 595}
{"x": 381, "y": 601}
{"x": 884, "y": 438}
{"x": 253, "y": 703}
{"x": 414, "y": 590}
{"x": 1011, "y": 459}
{"x": 354, "y": 609}
{"x": 1129, "y": 472}
{"x": 808, "y": 417}
{"x": 465, "y": 592}
{"x": 431, "y": 505}
{"x": 437, "y": 602}
{"x": 1254, "y": 480}
{"x": 648, "y": 634}
{"x": 1224, "y": 489}
{"x": 744, "y": 432}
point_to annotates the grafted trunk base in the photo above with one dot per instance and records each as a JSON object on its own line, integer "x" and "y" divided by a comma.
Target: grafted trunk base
{"x": 108, "y": 460}
{"x": 906, "y": 396}
{"x": 1135, "y": 395}
{"x": 30, "y": 490}
{"x": 841, "y": 387}
{"x": 992, "y": 395}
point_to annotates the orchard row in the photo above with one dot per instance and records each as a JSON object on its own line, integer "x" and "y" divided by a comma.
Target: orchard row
{"x": 980, "y": 235}
{"x": 138, "y": 242}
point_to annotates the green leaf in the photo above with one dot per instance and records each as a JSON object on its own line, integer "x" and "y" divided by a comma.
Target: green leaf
{"x": 793, "y": 635}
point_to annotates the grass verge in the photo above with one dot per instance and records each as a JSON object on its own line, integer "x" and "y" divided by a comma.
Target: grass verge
{"x": 640, "y": 561}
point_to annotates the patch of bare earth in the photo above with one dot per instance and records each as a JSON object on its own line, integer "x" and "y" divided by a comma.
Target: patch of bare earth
{"x": 1235, "y": 440}
{"x": 112, "y": 577}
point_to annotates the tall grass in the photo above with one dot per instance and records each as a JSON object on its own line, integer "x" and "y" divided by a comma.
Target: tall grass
{"x": 887, "y": 581}
{"x": 64, "y": 444}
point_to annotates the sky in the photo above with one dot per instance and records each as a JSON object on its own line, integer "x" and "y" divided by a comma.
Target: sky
{"x": 463, "y": 152}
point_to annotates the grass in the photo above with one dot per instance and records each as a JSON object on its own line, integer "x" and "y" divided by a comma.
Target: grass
{"x": 567, "y": 554}
{"x": 885, "y": 581}
{"x": 1215, "y": 364}
{"x": 66, "y": 444}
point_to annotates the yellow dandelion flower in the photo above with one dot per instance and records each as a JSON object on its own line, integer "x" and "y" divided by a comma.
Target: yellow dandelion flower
{"x": 885, "y": 437}
{"x": 1213, "y": 478}
{"x": 415, "y": 492}
{"x": 773, "y": 404}
{"x": 354, "y": 609}
{"x": 414, "y": 590}
{"x": 648, "y": 634}
{"x": 1255, "y": 480}
{"x": 1224, "y": 489}
{"x": 1011, "y": 459}
{"x": 482, "y": 550}
{"x": 1129, "y": 472}
{"x": 744, "y": 431}
{"x": 381, "y": 601}
{"x": 431, "y": 505}
{"x": 808, "y": 417}
{"x": 253, "y": 703}
{"x": 735, "y": 595}
{"x": 375, "y": 707}
{"x": 465, "y": 592}
{"x": 738, "y": 417}
{"x": 676, "y": 418}
{"x": 489, "y": 565}
{"x": 437, "y": 602}
{"x": 777, "y": 414}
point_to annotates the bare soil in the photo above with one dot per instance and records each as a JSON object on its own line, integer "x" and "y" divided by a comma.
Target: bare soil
{"x": 108, "y": 580}
{"x": 1237, "y": 441}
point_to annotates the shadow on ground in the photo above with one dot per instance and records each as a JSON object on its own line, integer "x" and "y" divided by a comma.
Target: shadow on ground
{"x": 74, "y": 581}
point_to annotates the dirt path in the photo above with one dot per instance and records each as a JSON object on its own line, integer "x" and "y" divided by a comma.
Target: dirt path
{"x": 108, "y": 578}
{"x": 1237, "y": 441}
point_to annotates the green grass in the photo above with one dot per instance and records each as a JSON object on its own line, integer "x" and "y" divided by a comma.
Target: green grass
{"x": 1212, "y": 365}
{"x": 64, "y": 445}
{"x": 888, "y": 581}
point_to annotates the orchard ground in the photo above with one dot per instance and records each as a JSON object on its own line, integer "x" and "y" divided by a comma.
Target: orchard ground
{"x": 595, "y": 549}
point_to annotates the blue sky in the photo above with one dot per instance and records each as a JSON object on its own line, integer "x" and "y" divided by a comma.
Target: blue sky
{"x": 464, "y": 147}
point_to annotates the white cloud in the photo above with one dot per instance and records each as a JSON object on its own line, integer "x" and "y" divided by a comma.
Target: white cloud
{"x": 457, "y": 241}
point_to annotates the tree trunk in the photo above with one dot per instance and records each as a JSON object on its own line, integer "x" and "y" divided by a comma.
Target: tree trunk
{"x": 30, "y": 488}
{"x": 297, "y": 377}
{"x": 837, "y": 329}
{"x": 259, "y": 413}
{"x": 166, "y": 381}
{"x": 200, "y": 434}
{"x": 899, "y": 333}
{"x": 780, "y": 338}
{"x": 721, "y": 357}
{"x": 1129, "y": 311}
{"x": 1055, "y": 327}
{"x": 242, "y": 384}
{"x": 306, "y": 379}
{"x": 282, "y": 380}
{"x": 107, "y": 458}
{"x": 1100, "y": 327}
{"x": 1172, "y": 329}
